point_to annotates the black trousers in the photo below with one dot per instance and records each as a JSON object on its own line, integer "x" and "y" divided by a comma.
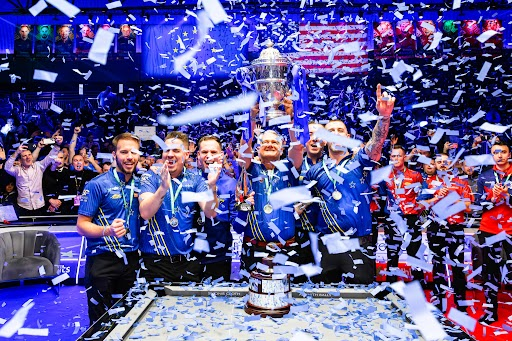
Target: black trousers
{"x": 445, "y": 244}
{"x": 216, "y": 270}
{"x": 492, "y": 269}
{"x": 250, "y": 254}
{"x": 394, "y": 241}
{"x": 106, "y": 275}
{"x": 352, "y": 267}
{"x": 169, "y": 269}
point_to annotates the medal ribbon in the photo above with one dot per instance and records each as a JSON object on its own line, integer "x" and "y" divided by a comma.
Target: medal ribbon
{"x": 268, "y": 184}
{"x": 498, "y": 181}
{"x": 128, "y": 208}
{"x": 174, "y": 196}
{"x": 329, "y": 175}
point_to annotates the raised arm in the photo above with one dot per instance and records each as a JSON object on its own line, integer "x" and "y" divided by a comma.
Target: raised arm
{"x": 247, "y": 154}
{"x": 74, "y": 140}
{"x": 9, "y": 164}
{"x": 149, "y": 203}
{"x": 296, "y": 150}
{"x": 385, "y": 104}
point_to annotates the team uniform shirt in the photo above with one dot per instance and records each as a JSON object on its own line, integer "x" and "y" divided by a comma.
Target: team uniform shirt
{"x": 278, "y": 225}
{"x": 218, "y": 229}
{"x": 105, "y": 199}
{"x": 158, "y": 236}
{"x": 350, "y": 215}
{"x": 404, "y": 188}
{"x": 453, "y": 183}
{"x": 303, "y": 222}
{"x": 499, "y": 217}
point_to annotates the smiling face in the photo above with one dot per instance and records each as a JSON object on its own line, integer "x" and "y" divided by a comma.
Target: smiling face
{"x": 26, "y": 158}
{"x": 314, "y": 147}
{"x": 176, "y": 156}
{"x": 271, "y": 146}
{"x": 210, "y": 152}
{"x": 126, "y": 156}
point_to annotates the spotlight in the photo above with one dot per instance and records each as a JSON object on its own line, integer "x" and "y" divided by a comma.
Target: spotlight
{"x": 168, "y": 17}
{"x": 185, "y": 18}
{"x": 109, "y": 18}
{"x": 381, "y": 15}
{"x": 420, "y": 14}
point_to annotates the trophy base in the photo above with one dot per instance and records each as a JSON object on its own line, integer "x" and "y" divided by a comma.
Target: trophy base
{"x": 264, "y": 312}
{"x": 272, "y": 113}
{"x": 245, "y": 207}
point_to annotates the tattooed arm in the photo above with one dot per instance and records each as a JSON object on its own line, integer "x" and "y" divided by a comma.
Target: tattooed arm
{"x": 385, "y": 104}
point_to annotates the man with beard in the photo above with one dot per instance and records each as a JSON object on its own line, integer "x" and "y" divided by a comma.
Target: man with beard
{"x": 109, "y": 217}
{"x": 268, "y": 230}
{"x": 217, "y": 260}
{"x": 344, "y": 208}
{"x": 446, "y": 236}
{"x": 55, "y": 183}
{"x": 494, "y": 191}
{"x": 167, "y": 242}
{"x": 23, "y": 44}
{"x": 64, "y": 43}
{"x": 29, "y": 177}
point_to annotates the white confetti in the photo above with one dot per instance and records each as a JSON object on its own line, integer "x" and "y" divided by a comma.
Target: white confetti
{"x": 99, "y": 49}
{"x": 38, "y": 7}
{"x": 288, "y": 196}
{"x": 16, "y": 322}
{"x": 65, "y": 7}
{"x": 45, "y": 75}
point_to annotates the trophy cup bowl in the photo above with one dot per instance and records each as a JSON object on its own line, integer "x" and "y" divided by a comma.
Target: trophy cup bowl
{"x": 271, "y": 78}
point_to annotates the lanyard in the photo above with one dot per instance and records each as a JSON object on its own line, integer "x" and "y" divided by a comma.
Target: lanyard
{"x": 329, "y": 175}
{"x": 498, "y": 181}
{"x": 128, "y": 208}
{"x": 77, "y": 184}
{"x": 268, "y": 184}
{"x": 174, "y": 196}
{"x": 306, "y": 162}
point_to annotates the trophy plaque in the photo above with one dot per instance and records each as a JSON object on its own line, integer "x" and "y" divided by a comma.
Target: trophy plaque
{"x": 269, "y": 293}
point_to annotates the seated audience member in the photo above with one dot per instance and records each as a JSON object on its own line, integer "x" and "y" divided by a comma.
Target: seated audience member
{"x": 29, "y": 178}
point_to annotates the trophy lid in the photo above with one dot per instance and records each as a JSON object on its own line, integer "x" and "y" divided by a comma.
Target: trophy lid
{"x": 270, "y": 55}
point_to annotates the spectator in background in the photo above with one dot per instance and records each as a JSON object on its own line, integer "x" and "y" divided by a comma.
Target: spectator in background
{"x": 88, "y": 160}
{"x": 78, "y": 178}
{"x": 106, "y": 98}
{"x": 5, "y": 109}
{"x": 55, "y": 184}
{"x": 9, "y": 193}
{"x": 105, "y": 166}
{"x": 29, "y": 177}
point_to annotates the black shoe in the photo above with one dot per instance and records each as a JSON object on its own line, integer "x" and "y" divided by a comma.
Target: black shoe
{"x": 488, "y": 319}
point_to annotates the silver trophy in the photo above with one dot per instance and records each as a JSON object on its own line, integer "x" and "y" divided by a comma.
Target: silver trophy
{"x": 271, "y": 78}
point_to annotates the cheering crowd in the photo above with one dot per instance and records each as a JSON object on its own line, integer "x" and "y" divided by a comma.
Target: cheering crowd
{"x": 173, "y": 203}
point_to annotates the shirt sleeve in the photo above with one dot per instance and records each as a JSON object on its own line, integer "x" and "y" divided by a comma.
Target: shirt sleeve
{"x": 148, "y": 182}
{"x": 201, "y": 185}
{"x": 9, "y": 166}
{"x": 91, "y": 199}
{"x": 49, "y": 158}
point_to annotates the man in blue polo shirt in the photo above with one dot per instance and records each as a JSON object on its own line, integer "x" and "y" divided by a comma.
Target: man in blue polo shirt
{"x": 109, "y": 217}
{"x": 269, "y": 231}
{"x": 343, "y": 184}
{"x": 216, "y": 261}
{"x": 167, "y": 241}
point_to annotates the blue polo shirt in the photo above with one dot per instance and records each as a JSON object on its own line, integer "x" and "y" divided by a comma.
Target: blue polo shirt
{"x": 279, "y": 225}
{"x": 102, "y": 200}
{"x": 303, "y": 223}
{"x": 218, "y": 230}
{"x": 342, "y": 215}
{"x": 158, "y": 236}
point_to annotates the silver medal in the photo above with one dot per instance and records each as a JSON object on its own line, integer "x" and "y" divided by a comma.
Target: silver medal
{"x": 268, "y": 208}
{"x": 336, "y": 195}
{"x": 173, "y": 222}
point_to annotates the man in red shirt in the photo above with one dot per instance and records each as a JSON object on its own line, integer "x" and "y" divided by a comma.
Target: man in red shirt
{"x": 494, "y": 191}
{"x": 404, "y": 185}
{"x": 446, "y": 237}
